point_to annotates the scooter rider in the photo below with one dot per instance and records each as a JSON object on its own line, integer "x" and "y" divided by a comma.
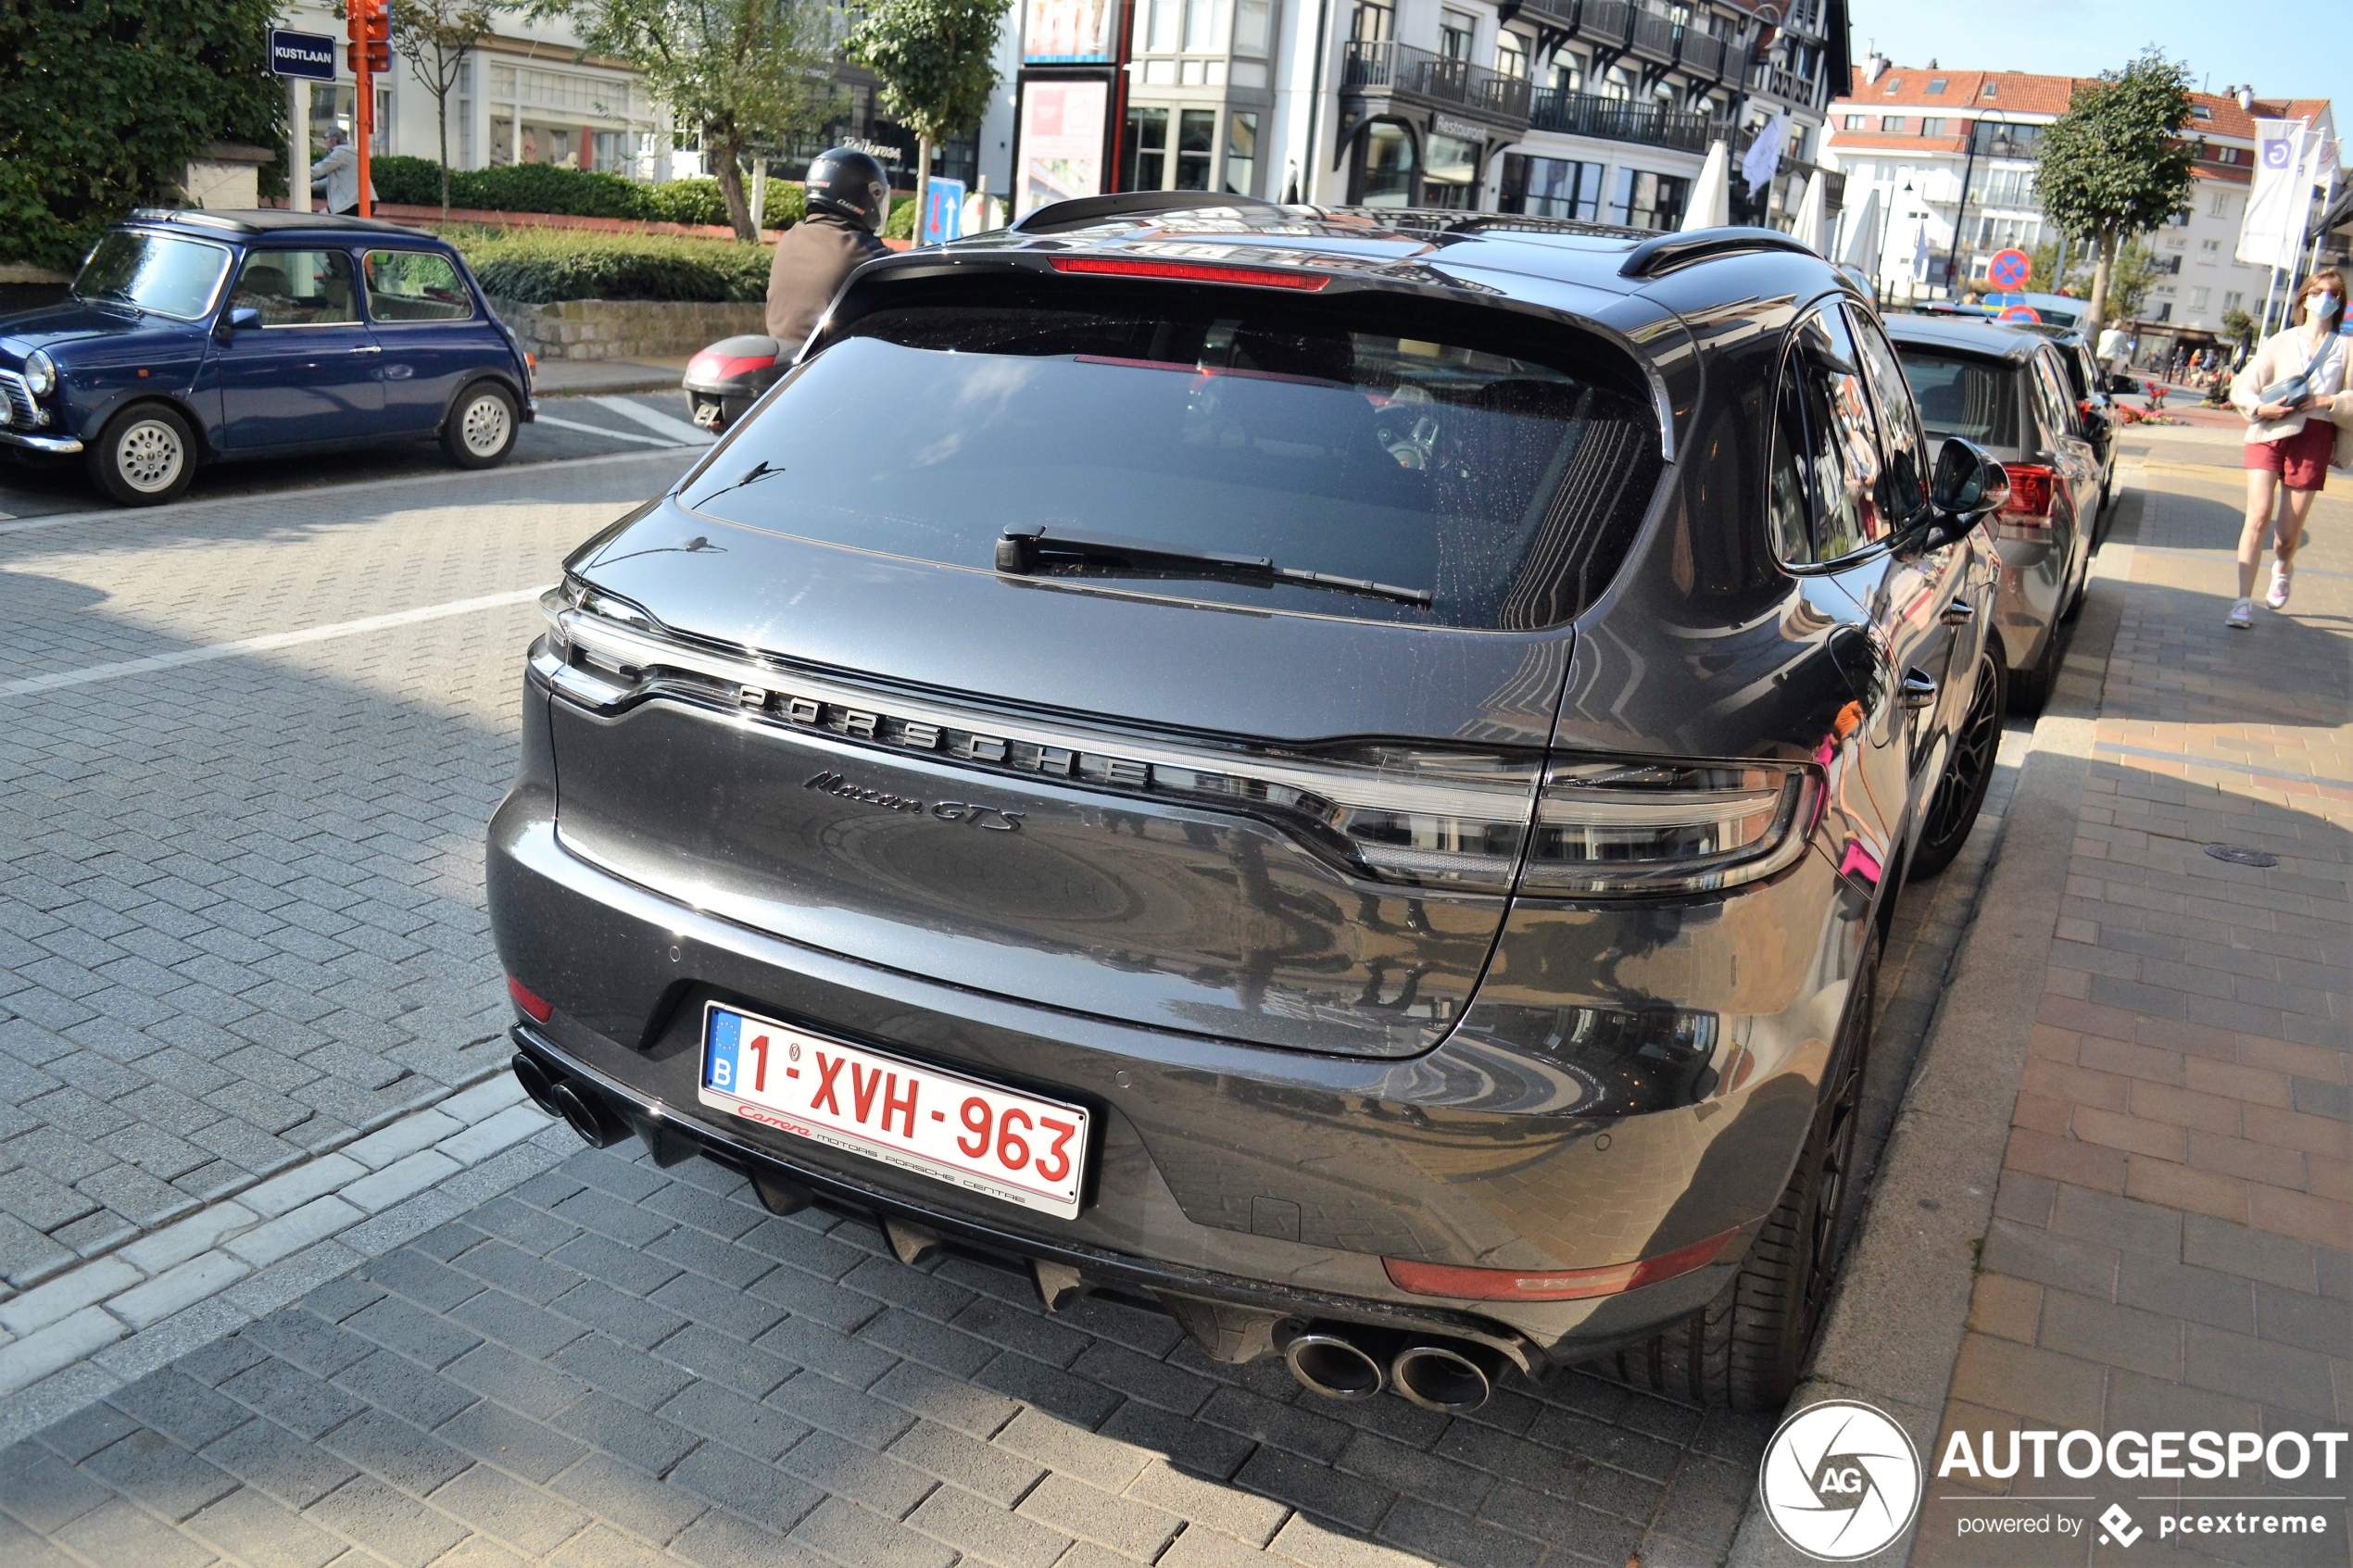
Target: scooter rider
{"x": 847, "y": 200}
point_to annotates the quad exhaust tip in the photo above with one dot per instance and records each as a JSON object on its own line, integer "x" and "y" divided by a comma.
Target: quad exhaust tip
{"x": 1351, "y": 1362}
{"x": 1454, "y": 1376}
{"x": 1329, "y": 1363}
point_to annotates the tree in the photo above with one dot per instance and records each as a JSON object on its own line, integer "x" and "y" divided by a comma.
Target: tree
{"x": 436, "y": 36}
{"x": 2130, "y": 279}
{"x": 935, "y": 58}
{"x": 2046, "y": 277}
{"x": 104, "y": 101}
{"x": 740, "y": 72}
{"x": 2239, "y": 328}
{"x": 2115, "y": 165}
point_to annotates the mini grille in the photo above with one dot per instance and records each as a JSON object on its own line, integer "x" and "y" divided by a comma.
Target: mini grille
{"x": 17, "y": 407}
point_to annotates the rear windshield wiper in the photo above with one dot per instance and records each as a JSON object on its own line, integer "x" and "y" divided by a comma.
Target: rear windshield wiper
{"x": 1023, "y": 550}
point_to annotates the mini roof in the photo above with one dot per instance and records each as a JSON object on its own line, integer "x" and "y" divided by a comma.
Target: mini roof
{"x": 266, "y": 220}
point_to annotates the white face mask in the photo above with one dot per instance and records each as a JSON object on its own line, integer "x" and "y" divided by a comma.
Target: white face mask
{"x": 2322, "y": 308}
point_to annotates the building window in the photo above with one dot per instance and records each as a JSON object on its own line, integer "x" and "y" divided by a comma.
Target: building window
{"x": 1988, "y": 90}
{"x": 1389, "y": 165}
{"x": 1369, "y": 24}
{"x": 1146, "y": 152}
{"x": 2209, "y": 252}
{"x": 1932, "y": 128}
{"x": 2007, "y": 187}
{"x": 1568, "y": 74}
{"x": 1160, "y": 27}
{"x": 1241, "y": 154}
{"x": 1551, "y": 187}
{"x": 1936, "y": 86}
{"x": 1892, "y": 83}
{"x": 2000, "y": 234}
{"x": 1449, "y": 174}
{"x": 1200, "y": 26}
{"x": 1857, "y": 122}
{"x": 2220, "y": 206}
{"x": 1196, "y": 142}
{"x": 1643, "y": 200}
{"x": 2197, "y": 299}
{"x": 1250, "y": 27}
{"x": 2235, "y": 300}
{"x": 1511, "y": 55}
{"x": 1454, "y": 32}
{"x": 1891, "y": 122}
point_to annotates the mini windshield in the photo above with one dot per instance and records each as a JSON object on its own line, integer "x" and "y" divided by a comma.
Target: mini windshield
{"x": 1500, "y": 466}
{"x": 165, "y": 274}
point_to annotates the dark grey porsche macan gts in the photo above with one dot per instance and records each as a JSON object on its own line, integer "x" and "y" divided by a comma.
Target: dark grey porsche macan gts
{"x": 1338, "y": 770}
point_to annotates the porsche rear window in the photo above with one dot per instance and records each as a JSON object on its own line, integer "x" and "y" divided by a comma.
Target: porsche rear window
{"x": 1501, "y": 466}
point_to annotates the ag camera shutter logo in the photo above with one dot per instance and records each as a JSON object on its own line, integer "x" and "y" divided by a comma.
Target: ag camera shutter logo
{"x": 1839, "y": 1481}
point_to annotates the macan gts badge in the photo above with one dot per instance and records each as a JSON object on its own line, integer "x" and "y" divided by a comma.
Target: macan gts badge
{"x": 1349, "y": 785}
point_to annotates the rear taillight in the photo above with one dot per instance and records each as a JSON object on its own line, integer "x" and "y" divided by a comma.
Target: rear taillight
{"x": 726, "y": 367}
{"x": 2027, "y": 514}
{"x": 1558, "y": 1285}
{"x": 1618, "y": 828}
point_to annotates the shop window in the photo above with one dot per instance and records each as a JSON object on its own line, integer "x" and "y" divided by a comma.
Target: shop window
{"x": 1241, "y": 154}
{"x": 1551, "y": 187}
{"x": 1146, "y": 150}
{"x": 1389, "y": 165}
{"x": 1643, "y": 200}
{"x": 1450, "y": 175}
{"x": 1196, "y": 131}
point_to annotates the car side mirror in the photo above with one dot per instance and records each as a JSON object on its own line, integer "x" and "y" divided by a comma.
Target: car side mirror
{"x": 1967, "y": 484}
{"x": 239, "y": 318}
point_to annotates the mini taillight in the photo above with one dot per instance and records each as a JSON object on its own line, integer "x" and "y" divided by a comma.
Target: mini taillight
{"x": 2027, "y": 514}
{"x": 536, "y": 1007}
{"x": 1559, "y": 1285}
{"x": 726, "y": 367}
{"x": 1605, "y": 828}
{"x": 1191, "y": 272}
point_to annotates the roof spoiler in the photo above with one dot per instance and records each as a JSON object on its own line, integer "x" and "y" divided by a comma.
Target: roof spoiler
{"x": 1670, "y": 251}
{"x": 1080, "y": 212}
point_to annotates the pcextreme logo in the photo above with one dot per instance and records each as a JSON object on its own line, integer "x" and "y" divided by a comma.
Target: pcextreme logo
{"x": 1839, "y": 1481}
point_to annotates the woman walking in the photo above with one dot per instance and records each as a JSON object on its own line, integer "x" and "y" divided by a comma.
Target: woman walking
{"x": 2293, "y": 395}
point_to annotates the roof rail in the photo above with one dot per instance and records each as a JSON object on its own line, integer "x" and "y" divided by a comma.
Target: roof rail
{"x": 1080, "y": 212}
{"x": 1670, "y": 251}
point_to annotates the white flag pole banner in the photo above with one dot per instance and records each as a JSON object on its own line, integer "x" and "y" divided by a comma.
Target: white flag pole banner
{"x": 1765, "y": 154}
{"x": 2276, "y": 207}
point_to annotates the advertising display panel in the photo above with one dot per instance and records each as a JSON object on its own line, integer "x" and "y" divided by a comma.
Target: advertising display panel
{"x": 1061, "y": 142}
{"x": 1069, "y": 32}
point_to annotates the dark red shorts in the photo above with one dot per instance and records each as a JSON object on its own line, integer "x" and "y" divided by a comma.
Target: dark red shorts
{"x": 2302, "y": 460}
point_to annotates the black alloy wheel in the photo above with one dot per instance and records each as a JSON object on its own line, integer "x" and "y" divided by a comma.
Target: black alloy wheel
{"x": 1747, "y": 1349}
{"x": 1969, "y": 771}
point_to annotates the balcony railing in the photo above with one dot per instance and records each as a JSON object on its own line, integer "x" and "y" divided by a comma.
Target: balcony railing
{"x": 1400, "y": 68}
{"x": 1655, "y": 35}
{"x": 1615, "y": 120}
{"x": 1786, "y": 85}
{"x": 1608, "y": 18}
{"x": 1704, "y": 55}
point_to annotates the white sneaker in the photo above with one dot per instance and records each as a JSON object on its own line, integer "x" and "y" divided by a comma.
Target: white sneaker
{"x": 2242, "y": 616}
{"x": 2281, "y": 573}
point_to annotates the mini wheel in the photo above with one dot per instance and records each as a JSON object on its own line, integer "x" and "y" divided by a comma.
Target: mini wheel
{"x": 145, "y": 457}
{"x": 481, "y": 426}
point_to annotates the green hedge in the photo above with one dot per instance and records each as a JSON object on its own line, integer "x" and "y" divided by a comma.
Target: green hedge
{"x": 547, "y": 187}
{"x": 542, "y": 266}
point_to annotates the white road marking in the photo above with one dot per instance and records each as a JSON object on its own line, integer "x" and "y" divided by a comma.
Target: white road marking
{"x": 670, "y": 425}
{"x": 607, "y": 432}
{"x": 210, "y": 651}
{"x": 180, "y": 511}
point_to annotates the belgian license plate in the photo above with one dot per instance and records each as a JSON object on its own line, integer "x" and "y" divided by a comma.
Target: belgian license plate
{"x": 1010, "y": 1145}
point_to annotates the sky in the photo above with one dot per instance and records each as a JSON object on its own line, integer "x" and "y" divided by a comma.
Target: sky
{"x": 2273, "y": 51}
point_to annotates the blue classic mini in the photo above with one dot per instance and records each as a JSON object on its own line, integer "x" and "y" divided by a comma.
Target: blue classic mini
{"x": 199, "y": 336}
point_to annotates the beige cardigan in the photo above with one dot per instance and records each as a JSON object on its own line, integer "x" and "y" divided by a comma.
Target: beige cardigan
{"x": 2283, "y": 355}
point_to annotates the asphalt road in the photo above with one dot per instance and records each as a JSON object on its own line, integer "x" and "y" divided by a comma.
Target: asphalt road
{"x": 568, "y": 427}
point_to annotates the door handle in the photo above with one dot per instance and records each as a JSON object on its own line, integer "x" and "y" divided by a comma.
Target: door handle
{"x": 369, "y": 348}
{"x": 1960, "y": 612}
{"x": 1919, "y": 688}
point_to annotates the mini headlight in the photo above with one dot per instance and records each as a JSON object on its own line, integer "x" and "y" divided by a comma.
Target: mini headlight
{"x": 40, "y": 373}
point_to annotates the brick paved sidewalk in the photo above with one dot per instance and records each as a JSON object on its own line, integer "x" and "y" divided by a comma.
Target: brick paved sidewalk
{"x": 2173, "y": 1241}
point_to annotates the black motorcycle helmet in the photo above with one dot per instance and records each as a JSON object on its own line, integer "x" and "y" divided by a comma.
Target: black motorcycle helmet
{"x": 846, "y": 180}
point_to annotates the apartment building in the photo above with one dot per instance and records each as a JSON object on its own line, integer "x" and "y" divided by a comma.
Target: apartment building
{"x": 1952, "y": 157}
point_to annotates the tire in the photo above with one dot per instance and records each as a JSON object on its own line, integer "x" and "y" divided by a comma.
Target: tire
{"x": 481, "y": 426}
{"x": 2030, "y": 689}
{"x": 2082, "y": 584}
{"x": 145, "y": 457}
{"x": 1960, "y": 793}
{"x": 1745, "y": 1350}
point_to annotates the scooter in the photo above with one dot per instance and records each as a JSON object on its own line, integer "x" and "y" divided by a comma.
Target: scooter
{"x": 729, "y": 377}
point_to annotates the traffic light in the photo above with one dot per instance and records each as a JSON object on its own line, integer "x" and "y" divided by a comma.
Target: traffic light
{"x": 370, "y": 29}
